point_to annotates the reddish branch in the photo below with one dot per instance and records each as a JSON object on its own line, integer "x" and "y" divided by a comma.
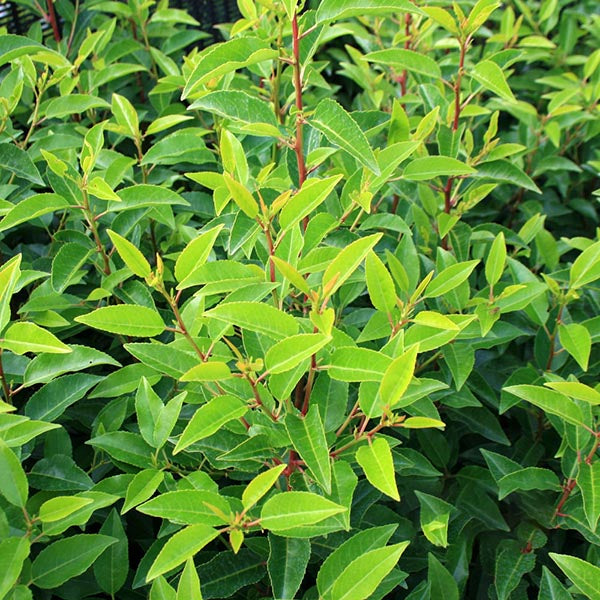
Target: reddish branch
{"x": 53, "y": 21}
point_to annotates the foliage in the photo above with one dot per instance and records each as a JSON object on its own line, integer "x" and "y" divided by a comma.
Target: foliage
{"x": 310, "y": 313}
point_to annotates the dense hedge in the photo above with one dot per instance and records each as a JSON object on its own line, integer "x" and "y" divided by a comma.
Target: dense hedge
{"x": 309, "y": 313}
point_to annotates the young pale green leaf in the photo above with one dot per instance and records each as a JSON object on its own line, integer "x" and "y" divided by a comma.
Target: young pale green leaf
{"x": 291, "y": 274}
{"x": 141, "y": 487}
{"x": 338, "y": 126}
{"x": 66, "y": 558}
{"x": 588, "y": 481}
{"x": 144, "y": 195}
{"x": 347, "y": 261}
{"x": 480, "y": 13}
{"x": 576, "y": 340}
{"x": 441, "y": 582}
{"x": 529, "y": 478}
{"x": 362, "y": 576}
{"x": 13, "y": 552}
{"x": 333, "y": 10}
{"x": 126, "y": 116}
{"x": 577, "y": 390}
{"x": 402, "y": 59}
{"x": 496, "y": 260}
{"x": 196, "y": 253}
{"x": 166, "y": 122}
{"x": 288, "y": 559}
{"x": 161, "y": 590}
{"x": 32, "y": 207}
{"x": 125, "y": 319}
{"x": 13, "y": 483}
{"x": 131, "y": 256}
{"x": 188, "y": 587}
{"x": 23, "y": 337}
{"x": 60, "y": 507}
{"x": 287, "y": 354}
{"x": 9, "y": 274}
{"x": 450, "y": 278}
{"x": 312, "y": 194}
{"x": 358, "y": 364}
{"x": 212, "y": 370}
{"x": 429, "y": 167}
{"x": 585, "y": 268}
{"x": 209, "y": 418}
{"x": 181, "y": 546}
{"x": 434, "y": 518}
{"x": 488, "y": 74}
{"x": 397, "y": 378}
{"x": 550, "y": 401}
{"x": 308, "y": 438}
{"x": 188, "y": 507}
{"x": 376, "y": 461}
{"x": 292, "y": 509}
{"x": 260, "y": 485}
{"x": 584, "y": 575}
{"x": 256, "y": 316}
{"x": 241, "y": 196}
{"x": 422, "y": 423}
{"x": 380, "y": 284}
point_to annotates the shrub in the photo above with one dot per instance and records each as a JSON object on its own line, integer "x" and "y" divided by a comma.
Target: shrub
{"x": 309, "y": 313}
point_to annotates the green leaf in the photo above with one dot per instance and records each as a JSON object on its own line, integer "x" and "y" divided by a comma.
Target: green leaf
{"x": 13, "y": 483}
{"x": 218, "y": 59}
{"x": 308, "y": 438}
{"x": 66, "y": 558}
{"x": 209, "y": 418}
{"x": 333, "y": 10}
{"x": 187, "y": 507}
{"x": 130, "y": 255}
{"x": 13, "y": 552}
{"x": 460, "y": 358}
{"x": 551, "y": 588}
{"x": 585, "y": 268}
{"x": 504, "y": 171}
{"x": 60, "y": 507}
{"x": 23, "y": 337}
{"x": 434, "y": 517}
{"x": 347, "y": 261}
{"x": 441, "y": 582}
{"x": 496, "y": 260}
{"x": 362, "y": 576}
{"x": 125, "y": 319}
{"x": 584, "y": 575}
{"x": 288, "y": 559}
{"x": 588, "y": 481}
{"x": 358, "y": 364}
{"x": 144, "y": 195}
{"x": 292, "y": 509}
{"x": 511, "y": 565}
{"x": 576, "y": 390}
{"x": 529, "y": 478}
{"x": 380, "y": 284}
{"x": 70, "y": 258}
{"x": 429, "y": 167}
{"x": 256, "y": 316}
{"x": 126, "y": 116}
{"x": 112, "y": 566}
{"x": 142, "y": 486}
{"x": 212, "y": 370}
{"x": 576, "y": 340}
{"x": 196, "y": 253}
{"x": 290, "y": 352}
{"x": 17, "y": 161}
{"x": 491, "y": 77}
{"x": 396, "y": 379}
{"x": 125, "y": 447}
{"x": 72, "y": 104}
{"x": 402, "y": 59}
{"x": 376, "y": 461}
{"x": 241, "y": 196}
{"x": 32, "y": 207}
{"x": 181, "y": 546}
{"x": 450, "y": 278}
{"x": 9, "y": 274}
{"x": 552, "y": 402}
{"x": 260, "y": 485}
{"x": 188, "y": 587}
{"x": 338, "y": 126}
{"x": 310, "y": 196}
{"x": 163, "y": 358}
{"x": 148, "y": 406}
{"x": 227, "y": 572}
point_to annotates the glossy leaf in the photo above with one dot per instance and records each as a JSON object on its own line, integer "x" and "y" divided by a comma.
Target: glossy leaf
{"x": 376, "y": 461}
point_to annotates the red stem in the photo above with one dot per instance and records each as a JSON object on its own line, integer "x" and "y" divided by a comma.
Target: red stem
{"x": 53, "y": 21}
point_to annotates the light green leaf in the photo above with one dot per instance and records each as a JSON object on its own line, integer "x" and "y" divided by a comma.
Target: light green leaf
{"x": 181, "y": 546}
{"x": 67, "y": 558}
{"x": 256, "y": 316}
{"x": 66, "y": 264}
{"x": 125, "y": 319}
{"x": 212, "y": 370}
{"x": 376, "y": 461}
{"x": 577, "y": 390}
{"x": 60, "y": 507}
{"x": 64, "y": 106}
{"x": 496, "y": 260}
{"x": 209, "y": 418}
{"x": 32, "y": 207}
{"x": 196, "y": 253}
{"x": 338, "y": 126}
{"x": 292, "y": 509}
{"x": 290, "y": 352}
{"x": 131, "y": 256}
{"x": 434, "y": 517}
{"x": 333, "y": 10}
{"x": 13, "y": 482}
{"x": 13, "y": 552}
{"x": 188, "y": 587}
{"x": 308, "y": 438}
{"x": 588, "y": 481}
{"x": 585, "y": 576}
{"x": 142, "y": 486}
{"x": 380, "y": 284}
{"x": 450, "y": 278}
{"x": 491, "y": 77}
{"x": 260, "y": 485}
{"x": 402, "y": 59}
{"x": 504, "y": 171}
{"x": 126, "y": 115}
{"x": 187, "y": 507}
{"x": 585, "y": 268}
{"x": 358, "y": 364}
{"x": 397, "y": 378}
{"x": 422, "y": 423}
{"x": 9, "y": 274}
{"x": 241, "y": 196}
{"x": 23, "y": 337}
{"x": 576, "y": 340}
{"x": 429, "y": 167}
{"x": 143, "y": 195}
